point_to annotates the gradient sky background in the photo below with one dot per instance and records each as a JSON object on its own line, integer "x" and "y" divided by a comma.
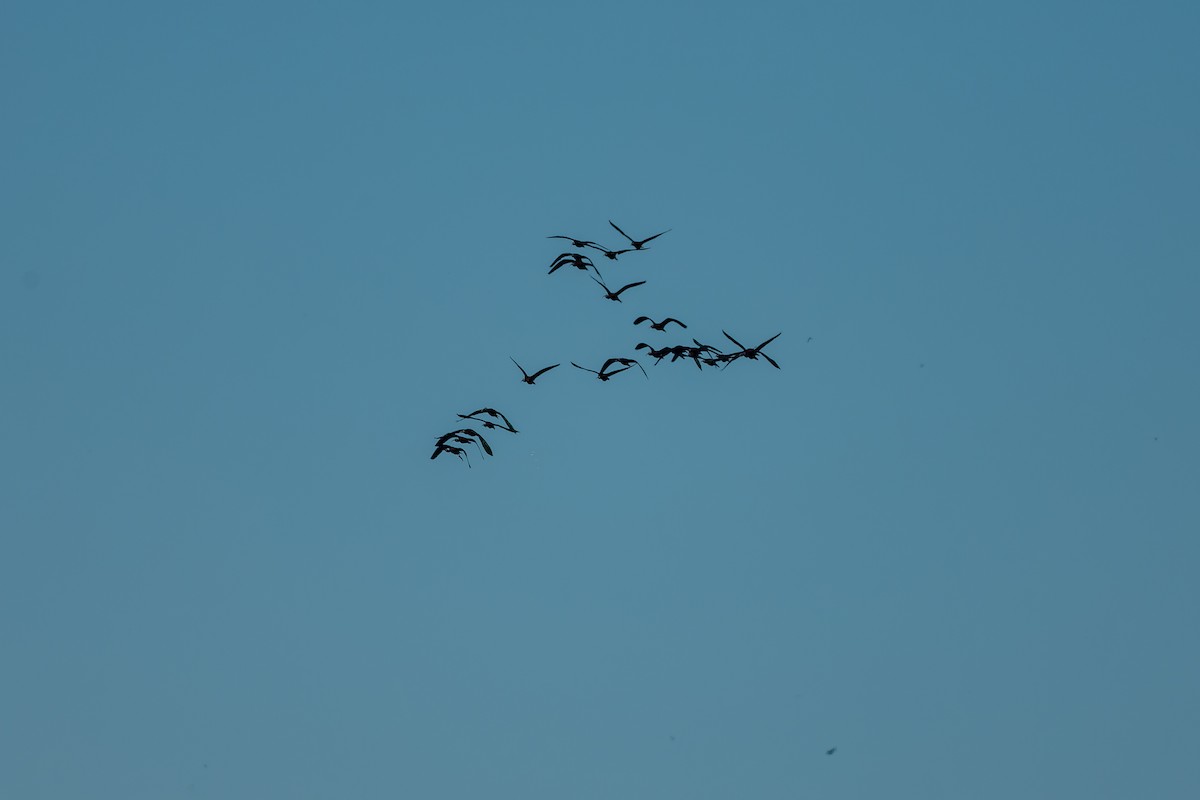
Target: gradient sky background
{"x": 257, "y": 256}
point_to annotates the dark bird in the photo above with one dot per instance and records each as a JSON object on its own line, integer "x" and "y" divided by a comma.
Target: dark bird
{"x": 611, "y": 255}
{"x": 531, "y": 378}
{"x": 574, "y": 242}
{"x": 831, "y": 751}
{"x": 576, "y": 260}
{"x": 458, "y": 437}
{"x": 602, "y": 375}
{"x": 636, "y": 244}
{"x": 449, "y": 448}
{"x": 625, "y": 362}
{"x": 659, "y": 326}
{"x": 752, "y": 353}
{"x": 609, "y": 294}
{"x": 657, "y": 355}
{"x": 491, "y": 412}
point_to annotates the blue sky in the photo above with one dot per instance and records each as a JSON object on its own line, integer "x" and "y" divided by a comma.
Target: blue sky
{"x": 257, "y": 257}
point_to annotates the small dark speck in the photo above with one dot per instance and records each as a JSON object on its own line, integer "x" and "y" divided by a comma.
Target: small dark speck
{"x": 831, "y": 751}
{"x": 809, "y": 339}
{"x": 31, "y": 279}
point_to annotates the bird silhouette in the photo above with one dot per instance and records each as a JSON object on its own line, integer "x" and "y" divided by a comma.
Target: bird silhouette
{"x": 491, "y": 412}
{"x": 449, "y": 448}
{"x": 636, "y": 244}
{"x": 602, "y": 375}
{"x": 626, "y": 362}
{"x": 657, "y": 355}
{"x": 531, "y": 378}
{"x": 574, "y": 242}
{"x": 611, "y": 255}
{"x": 458, "y": 437}
{"x": 659, "y": 326}
{"x": 752, "y": 353}
{"x": 609, "y": 294}
{"x": 576, "y": 260}
{"x": 831, "y": 751}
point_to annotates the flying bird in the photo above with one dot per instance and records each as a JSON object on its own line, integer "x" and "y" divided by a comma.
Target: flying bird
{"x": 626, "y": 362}
{"x": 458, "y": 437}
{"x": 611, "y": 255}
{"x": 636, "y": 244}
{"x": 577, "y": 260}
{"x": 659, "y": 326}
{"x": 602, "y": 375}
{"x": 574, "y": 242}
{"x": 657, "y": 355}
{"x": 831, "y": 751}
{"x": 752, "y": 353}
{"x": 449, "y": 448}
{"x": 491, "y": 412}
{"x": 531, "y": 378}
{"x": 609, "y": 294}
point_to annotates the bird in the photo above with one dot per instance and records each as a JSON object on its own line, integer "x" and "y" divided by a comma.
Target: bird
{"x": 577, "y": 260}
{"x": 752, "y": 353}
{"x": 602, "y": 375}
{"x": 447, "y": 448}
{"x": 574, "y": 242}
{"x": 636, "y": 244}
{"x": 609, "y": 294}
{"x": 659, "y": 326}
{"x": 531, "y": 378}
{"x": 457, "y": 436}
{"x": 655, "y": 354}
{"x": 626, "y": 362}
{"x": 831, "y": 751}
{"x": 611, "y": 255}
{"x": 491, "y": 412}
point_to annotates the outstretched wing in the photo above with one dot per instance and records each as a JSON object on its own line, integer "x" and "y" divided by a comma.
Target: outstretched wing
{"x": 655, "y": 236}
{"x": 640, "y": 320}
{"x": 486, "y": 447}
{"x": 768, "y": 341}
{"x": 623, "y": 233}
{"x": 534, "y": 376}
{"x": 629, "y": 286}
{"x": 523, "y": 372}
{"x": 669, "y": 320}
{"x": 735, "y": 341}
{"x": 585, "y": 369}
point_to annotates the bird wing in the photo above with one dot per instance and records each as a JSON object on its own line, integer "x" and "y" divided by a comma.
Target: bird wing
{"x": 768, "y": 358}
{"x": 523, "y": 372}
{"x": 534, "y": 376}
{"x": 585, "y": 369}
{"x": 486, "y": 447}
{"x": 623, "y": 233}
{"x": 735, "y": 341}
{"x": 610, "y": 362}
{"x": 669, "y": 320}
{"x": 640, "y": 320}
{"x": 629, "y": 286}
{"x": 655, "y": 236}
{"x": 602, "y": 286}
{"x": 768, "y": 341}
{"x": 496, "y": 413}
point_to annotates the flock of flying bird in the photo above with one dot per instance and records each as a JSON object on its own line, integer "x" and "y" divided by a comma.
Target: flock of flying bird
{"x": 457, "y": 441}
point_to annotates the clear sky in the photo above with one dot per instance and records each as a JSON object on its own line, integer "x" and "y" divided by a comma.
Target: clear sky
{"x": 256, "y": 256}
